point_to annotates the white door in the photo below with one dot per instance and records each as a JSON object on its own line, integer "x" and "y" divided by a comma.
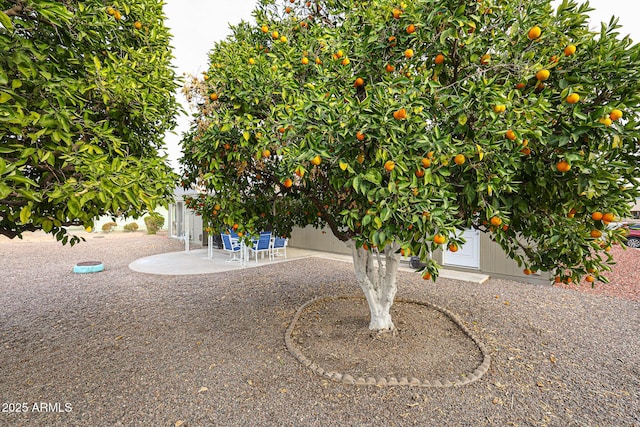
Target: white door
{"x": 468, "y": 255}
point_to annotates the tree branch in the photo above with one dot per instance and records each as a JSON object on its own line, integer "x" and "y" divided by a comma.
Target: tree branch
{"x": 16, "y": 10}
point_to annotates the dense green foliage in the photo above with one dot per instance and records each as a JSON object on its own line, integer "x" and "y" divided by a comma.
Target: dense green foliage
{"x": 451, "y": 126}
{"x": 86, "y": 97}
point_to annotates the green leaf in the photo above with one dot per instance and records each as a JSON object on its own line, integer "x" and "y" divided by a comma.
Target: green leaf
{"x": 4, "y": 97}
{"x": 74, "y": 207}
{"x": 5, "y": 190}
{"x": 25, "y": 214}
{"x": 373, "y": 176}
{"x": 6, "y": 21}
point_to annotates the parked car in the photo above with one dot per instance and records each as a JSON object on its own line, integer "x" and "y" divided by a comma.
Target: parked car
{"x": 633, "y": 235}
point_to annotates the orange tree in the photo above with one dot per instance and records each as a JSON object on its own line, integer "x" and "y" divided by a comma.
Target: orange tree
{"x": 86, "y": 96}
{"x": 399, "y": 124}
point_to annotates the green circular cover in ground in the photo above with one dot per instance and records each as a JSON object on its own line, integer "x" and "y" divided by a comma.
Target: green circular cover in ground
{"x": 88, "y": 267}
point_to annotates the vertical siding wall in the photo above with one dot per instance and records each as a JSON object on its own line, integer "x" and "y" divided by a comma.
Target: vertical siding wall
{"x": 317, "y": 240}
{"x": 493, "y": 260}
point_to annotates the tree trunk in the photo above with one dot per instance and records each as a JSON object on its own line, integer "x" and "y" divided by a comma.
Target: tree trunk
{"x": 376, "y": 274}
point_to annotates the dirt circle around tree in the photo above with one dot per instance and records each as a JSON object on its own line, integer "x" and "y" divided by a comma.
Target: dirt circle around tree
{"x": 430, "y": 347}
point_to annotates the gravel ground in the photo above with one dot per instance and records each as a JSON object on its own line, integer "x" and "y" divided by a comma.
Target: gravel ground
{"x": 121, "y": 348}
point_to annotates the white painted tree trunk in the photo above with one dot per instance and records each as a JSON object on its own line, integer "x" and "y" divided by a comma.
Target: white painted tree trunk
{"x": 376, "y": 274}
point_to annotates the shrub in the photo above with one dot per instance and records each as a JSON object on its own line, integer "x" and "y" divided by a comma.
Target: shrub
{"x": 131, "y": 227}
{"x": 154, "y": 222}
{"x": 108, "y": 227}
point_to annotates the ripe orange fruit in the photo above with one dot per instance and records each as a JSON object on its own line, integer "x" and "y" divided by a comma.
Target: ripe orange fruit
{"x": 304, "y": 60}
{"x": 117, "y": 15}
{"x": 496, "y": 221}
{"x": 389, "y": 165}
{"x": 408, "y": 53}
{"x": 573, "y": 98}
{"x": 287, "y": 183}
{"x": 608, "y": 217}
{"x": 426, "y": 275}
{"x": 534, "y": 33}
{"x": 392, "y": 41}
{"x": 520, "y": 86}
{"x": 316, "y": 160}
{"x": 439, "y": 239}
{"x": 453, "y": 247}
{"x": 213, "y": 96}
{"x": 318, "y": 61}
{"x": 572, "y": 213}
{"x": 459, "y": 159}
{"x": 439, "y": 59}
{"x": 137, "y": 25}
{"x": 510, "y": 134}
{"x": 563, "y": 166}
{"x": 346, "y": 61}
{"x": 569, "y": 50}
{"x": 527, "y": 271}
{"x": 400, "y": 114}
{"x": 597, "y": 216}
{"x": 500, "y": 108}
{"x": 266, "y": 153}
{"x": 426, "y": 162}
{"x": 287, "y": 9}
{"x": 360, "y": 136}
{"x": 252, "y": 61}
{"x": 396, "y": 13}
{"x": 264, "y": 29}
{"x": 283, "y": 39}
{"x": 359, "y": 82}
{"x": 411, "y": 29}
{"x": 615, "y": 115}
{"x": 419, "y": 173}
{"x": 389, "y": 68}
{"x": 543, "y": 75}
{"x": 111, "y": 11}
{"x": 275, "y": 35}
{"x": 606, "y": 121}
{"x": 526, "y": 151}
{"x": 596, "y": 234}
{"x": 590, "y": 279}
{"x": 235, "y": 226}
{"x": 339, "y": 54}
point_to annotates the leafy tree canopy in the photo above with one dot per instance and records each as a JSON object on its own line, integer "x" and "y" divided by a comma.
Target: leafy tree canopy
{"x": 399, "y": 124}
{"x": 86, "y": 96}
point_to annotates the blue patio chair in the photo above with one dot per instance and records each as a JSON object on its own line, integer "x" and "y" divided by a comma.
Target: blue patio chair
{"x": 262, "y": 245}
{"x": 279, "y": 247}
{"x": 232, "y": 246}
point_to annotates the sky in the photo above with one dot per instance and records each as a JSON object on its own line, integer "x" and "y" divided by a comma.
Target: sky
{"x": 197, "y": 24}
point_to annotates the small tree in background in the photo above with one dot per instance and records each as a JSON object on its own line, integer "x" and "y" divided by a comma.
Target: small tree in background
{"x": 86, "y": 97}
{"x": 399, "y": 125}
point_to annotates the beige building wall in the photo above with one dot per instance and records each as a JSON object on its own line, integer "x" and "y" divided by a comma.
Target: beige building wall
{"x": 493, "y": 260}
{"x": 317, "y": 240}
